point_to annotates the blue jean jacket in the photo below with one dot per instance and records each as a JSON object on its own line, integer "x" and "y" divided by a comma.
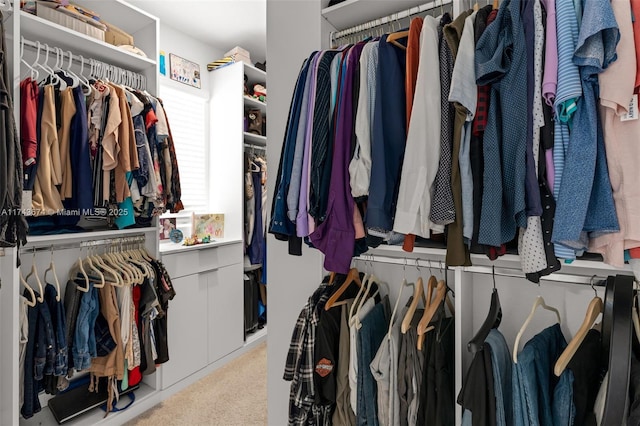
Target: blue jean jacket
{"x": 84, "y": 344}
{"x": 535, "y": 390}
{"x": 58, "y": 318}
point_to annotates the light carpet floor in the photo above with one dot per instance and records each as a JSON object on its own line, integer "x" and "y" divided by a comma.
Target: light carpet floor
{"x": 235, "y": 394}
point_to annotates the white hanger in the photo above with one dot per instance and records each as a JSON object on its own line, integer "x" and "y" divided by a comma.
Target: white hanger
{"x": 52, "y": 268}
{"x": 395, "y": 307}
{"x": 32, "y": 70}
{"x": 33, "y": 300}
{"x": 84, "y": 80}
{"x": 34, "y": 272}
{"x": 58, "y": 67}
{"x": 539, "y": 302}
{"x": 69, "y": 73}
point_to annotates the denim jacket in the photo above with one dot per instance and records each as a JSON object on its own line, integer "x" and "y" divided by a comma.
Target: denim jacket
{"x": 84, "y": 344}
{"x": 58, "y": 317}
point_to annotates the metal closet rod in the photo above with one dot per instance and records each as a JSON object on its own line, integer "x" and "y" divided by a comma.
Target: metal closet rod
{"x": 84, "y": 61}
{"x": 390, "y": 18}
{"x": 88, "y": 243}
{"x": 501, "y": 272}
{"x": 258, "y": 147}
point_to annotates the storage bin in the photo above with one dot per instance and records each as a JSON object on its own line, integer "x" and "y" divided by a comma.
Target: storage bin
{"x": 117, "y": 36}
{"x": 50, "y": 14}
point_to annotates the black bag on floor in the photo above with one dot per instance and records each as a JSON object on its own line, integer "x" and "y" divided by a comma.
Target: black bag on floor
{"x": 251, "y": 296}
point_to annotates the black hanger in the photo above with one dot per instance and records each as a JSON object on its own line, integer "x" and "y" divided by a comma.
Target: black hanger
{"x": 617, "y": 327}
{"x": 494, "y": 317}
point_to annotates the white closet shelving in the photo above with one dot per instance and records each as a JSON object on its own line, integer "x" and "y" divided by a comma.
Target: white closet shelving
{"x": 293, "y": 279}
{"x": 145, "y": 30}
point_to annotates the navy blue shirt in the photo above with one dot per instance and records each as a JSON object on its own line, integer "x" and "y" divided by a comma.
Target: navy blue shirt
{"x": 280, "y": 224}
{"x": 388, "y": 138}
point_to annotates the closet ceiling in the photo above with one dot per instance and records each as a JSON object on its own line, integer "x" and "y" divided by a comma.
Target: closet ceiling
{"x": 222, "y": 24}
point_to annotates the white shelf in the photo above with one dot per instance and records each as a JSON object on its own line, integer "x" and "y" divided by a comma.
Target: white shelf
{"x": 254, "y": 103}
{"x": 257, "y": 336}
{"x": 255, "y": 139}
{"x": 42, "y": 240}
{"x": 96, "y": 415}
{"x": 353, "y": 12}
{"x": 254, "y": 74}
{"x": 508, "y": 260}
{"x": 35, "y": 28}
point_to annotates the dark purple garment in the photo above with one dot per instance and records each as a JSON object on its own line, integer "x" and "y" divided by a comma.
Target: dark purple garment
{"x": 532, "y": 191}
{"x": 335, "y": 237}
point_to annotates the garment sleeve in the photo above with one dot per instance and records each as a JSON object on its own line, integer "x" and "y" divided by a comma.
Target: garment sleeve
{"x": 422, "y": 152}
{"x": 360, "y": 166}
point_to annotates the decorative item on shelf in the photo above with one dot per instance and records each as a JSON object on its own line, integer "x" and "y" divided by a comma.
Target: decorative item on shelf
{"x": 176, "y": 236}
{"x": 261, "y": 66}
{"x": 219, "y": 63}
{"x": 166, "y": 226}
{"x": 260, "y": 92}
{"x": 255, "y": 121}
{"x": 194, "y": 240}
{"x": 184, "y": 71}
{"x": 239, "y": 54}
{"x": 208, "y": 224}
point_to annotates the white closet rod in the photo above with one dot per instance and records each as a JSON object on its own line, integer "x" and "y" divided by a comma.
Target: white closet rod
{"x": 86, "y": 61}
{"x": 388, "y": 19}
{"x": 502, "y": 272}
{"x": 89, "y": 243}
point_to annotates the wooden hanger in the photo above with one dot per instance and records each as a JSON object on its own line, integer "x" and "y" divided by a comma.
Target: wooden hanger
{"x": 441, "y": 292}
{"x": 596, "y": 307}
{"x": 26, "y": 285}
{"x": 394, "y": 37}
{"x": 539, "y": 302}
{"x": 496, "y": 4}
{"x": 52, "y": 268}
{"x": 352, "y": 277}
{"x": 418, "y": 294}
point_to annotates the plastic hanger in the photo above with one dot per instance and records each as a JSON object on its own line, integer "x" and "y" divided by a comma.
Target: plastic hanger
{"x": 112, "y": 275}
{"x": 96, "y": 270}
{"x": 26, "y": 285}
{"x": 121, "y": 264}
{"x": 84, "y": 81}
{"x": 74, "y": 77}
{"x": 538, "y": 302}
{"x": 634, "y": 316}
{"x": 34, "y": 272}
{"x": 57, "y": 68}
{"x": 113, "y": 261}
{"x": 79, "y": 267}
{"x": 494, "y": 317}
{"x": 33, "y": 73}
{"x": 352, "y": 277}
{"x": 52, "y": 268}
{"x": 596, "y": 307}
{"x": 395, "y": 307}
{"x": 5, "y": 6}
{"x": 365, "y": 283}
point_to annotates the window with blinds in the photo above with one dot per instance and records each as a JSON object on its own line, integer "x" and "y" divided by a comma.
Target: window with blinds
{"x": 187, "y": 117}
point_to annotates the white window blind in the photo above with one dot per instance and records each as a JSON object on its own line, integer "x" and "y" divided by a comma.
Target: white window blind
{"x": 187, "y": 117}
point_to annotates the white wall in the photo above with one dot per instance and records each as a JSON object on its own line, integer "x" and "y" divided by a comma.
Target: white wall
{"x": 291, "y": 279}
{"x": 181, "y": 44}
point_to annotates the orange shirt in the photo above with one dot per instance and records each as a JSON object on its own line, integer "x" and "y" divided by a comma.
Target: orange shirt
{"x": 413, "y": 59}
